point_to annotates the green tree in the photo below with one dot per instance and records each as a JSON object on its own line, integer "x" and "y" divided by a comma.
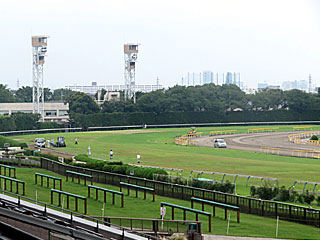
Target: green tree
{"x": 268, "y": 99}
{"x": 24, "y": 94}
{"x": 300, "y": 101}
{"x": 153, "y": 102}
{"x": 47, "y": 95}
{"x": 118, "y": 106}
{"x": 82, "y": 103}
{"x": 6, "y": 96}
{"x": 61, "y": 94}
{"x": 103, "y": 92}
{"x": 232, "y": 97}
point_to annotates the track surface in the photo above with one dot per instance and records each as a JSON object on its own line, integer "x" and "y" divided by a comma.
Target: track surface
{"x": 256, "y": 141}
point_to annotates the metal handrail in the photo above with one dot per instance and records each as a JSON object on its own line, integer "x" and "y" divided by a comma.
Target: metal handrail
{"x": 72, "y": 214}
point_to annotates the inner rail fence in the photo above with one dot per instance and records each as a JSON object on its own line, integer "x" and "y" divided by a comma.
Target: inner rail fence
{"x": 110, "y": 128}
{"x": 272, "y": 209}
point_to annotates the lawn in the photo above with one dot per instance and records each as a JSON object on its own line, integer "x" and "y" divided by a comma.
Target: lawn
{"x": 249, "y": 225}
{"x": 157, "y": 148}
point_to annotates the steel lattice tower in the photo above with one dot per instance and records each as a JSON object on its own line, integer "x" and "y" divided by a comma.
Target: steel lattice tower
{"x": 130, "y": 59}
{"x": 39, "y": 49}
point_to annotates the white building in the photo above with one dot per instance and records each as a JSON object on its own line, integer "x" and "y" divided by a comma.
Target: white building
{"x": 53, "y": 111}
{"x": 92, "y": 90}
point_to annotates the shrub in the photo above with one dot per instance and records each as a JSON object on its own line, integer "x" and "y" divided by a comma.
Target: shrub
{"x": 107, "y": 168}
{"x": 115, "y": 163}
{"x": 300, "y": 198}
{"x": 283, "y": 195}
{"x": 28, "y": 152}
{"x": 13, "y": 143}
{"x": 314, "y": 137}
{"x": 253, "y": 191}
{"x": 293, "y": 196}
{"x": 84, "y": 158}
{"x": 318, "y": 200}
{"x": 120, "y": 169}
{"x": 47, "y": 155}
{"x": 264, "y": 192}
{"x": 308, "y": 198}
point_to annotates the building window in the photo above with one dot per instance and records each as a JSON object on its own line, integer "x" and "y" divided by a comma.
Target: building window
{"x": 50, "y": 113}
{"x": 63, "y": 113}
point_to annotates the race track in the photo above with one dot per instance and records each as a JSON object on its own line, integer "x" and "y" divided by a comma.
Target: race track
{"x": 256, "y": 141}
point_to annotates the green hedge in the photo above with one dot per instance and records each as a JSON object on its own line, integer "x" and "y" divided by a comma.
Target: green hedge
{"x": 282, "y": 194}
{"x": 13, "y": 143}
{"x": 117, "y": 167}
{"x": 137, "y": 118}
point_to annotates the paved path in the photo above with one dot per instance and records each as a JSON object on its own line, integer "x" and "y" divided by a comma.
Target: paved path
{"x": 254, "y": 142}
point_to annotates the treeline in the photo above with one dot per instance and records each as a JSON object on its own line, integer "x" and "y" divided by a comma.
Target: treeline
{"x": 205, "y": 98}
{"x": 23, "y": 121}
{"x": 24, "y": 94}
{"x": 213, "y": 98}
{"x": 199, "y": 104}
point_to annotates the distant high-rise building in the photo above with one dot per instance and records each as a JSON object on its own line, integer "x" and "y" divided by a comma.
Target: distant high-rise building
{"x": 207, "y": 77}
{"x": 300, "y": 85}
{"x": 229, "y": 78}
{"x": 262, "y": 85}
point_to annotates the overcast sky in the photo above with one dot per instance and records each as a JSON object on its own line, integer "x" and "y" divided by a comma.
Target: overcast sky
{"x": 264, "y": 40}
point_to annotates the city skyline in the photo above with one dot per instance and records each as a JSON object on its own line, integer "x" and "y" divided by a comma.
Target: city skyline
{"x": 267, "y": 41}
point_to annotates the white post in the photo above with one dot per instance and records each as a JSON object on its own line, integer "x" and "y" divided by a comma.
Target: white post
{"x": 103, "y": 210}
{"x": 228, "y": 224}
{"x": 277, "y": 227}
{"x": 36, "y": 196}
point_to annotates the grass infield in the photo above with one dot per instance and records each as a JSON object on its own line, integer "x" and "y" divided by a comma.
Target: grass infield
{"x": 157, "y": 148}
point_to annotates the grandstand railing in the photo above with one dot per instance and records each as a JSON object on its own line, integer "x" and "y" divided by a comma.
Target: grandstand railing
{"x": 285, "y": 211}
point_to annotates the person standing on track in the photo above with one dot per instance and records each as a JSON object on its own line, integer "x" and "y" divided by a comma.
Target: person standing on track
{"x": 111, "y": 154}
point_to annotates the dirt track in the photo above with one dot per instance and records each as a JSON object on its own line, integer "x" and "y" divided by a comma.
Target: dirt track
{"x": 255, "y": 141}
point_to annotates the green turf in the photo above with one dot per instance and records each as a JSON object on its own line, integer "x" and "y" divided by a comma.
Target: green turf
{"x": 249, "y": 225}
{"x": 157, "y": 148}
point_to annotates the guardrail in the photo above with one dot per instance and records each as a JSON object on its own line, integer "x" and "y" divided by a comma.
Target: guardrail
{"x": 296, "y": 137}
{"x": 271, "y": 150}
{"x": 75, "y": 196}
{"x": 186, "y": 209}
{"x": 111, "y": 128}
{"x": 5, "y": 167}
{"x": 42, "y": 209}
{"x": 11, "y": 181}
{"x": 153, "y": 225}
{"x": 257, "y": 130}
{"x": 306, "y": 153}
{"x": 290, "y": 212}
{"x": 54, "y": 179}
{"x": 216, "y": 204}
{"x": 105, "y": 190}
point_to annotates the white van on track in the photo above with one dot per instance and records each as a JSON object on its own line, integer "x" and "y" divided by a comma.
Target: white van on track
{"x": 220, "y": 143}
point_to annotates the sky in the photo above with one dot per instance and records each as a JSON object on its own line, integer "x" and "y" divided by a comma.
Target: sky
{"x": 264, "y": 40}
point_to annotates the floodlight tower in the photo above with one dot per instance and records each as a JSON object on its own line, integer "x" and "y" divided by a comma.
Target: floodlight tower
{"x": 130, "y": 59}
{"x": 39, "y": 49}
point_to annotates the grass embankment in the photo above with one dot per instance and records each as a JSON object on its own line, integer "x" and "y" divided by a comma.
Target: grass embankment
{"x": 249, "y": 225}
{"x": 157, "y": 148}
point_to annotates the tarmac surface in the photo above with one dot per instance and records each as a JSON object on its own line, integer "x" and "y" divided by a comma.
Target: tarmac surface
{"x": 258, "y": 142}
